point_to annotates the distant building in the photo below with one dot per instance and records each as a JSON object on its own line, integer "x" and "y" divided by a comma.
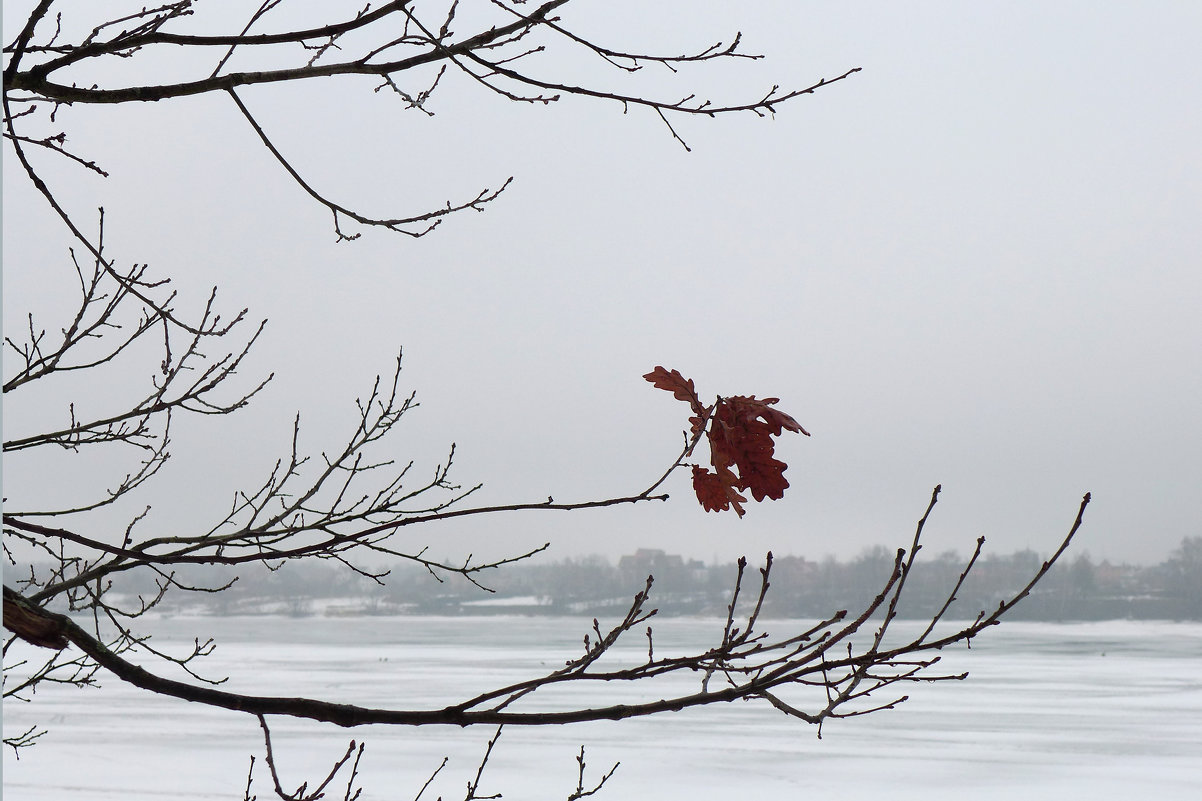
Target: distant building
{"x": 651, "y": 561}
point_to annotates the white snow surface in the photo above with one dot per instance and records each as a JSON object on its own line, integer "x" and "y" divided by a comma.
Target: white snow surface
{"x": 1050, "y": 711}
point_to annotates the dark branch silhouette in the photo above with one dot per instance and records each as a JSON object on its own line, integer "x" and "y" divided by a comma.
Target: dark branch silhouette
{"x": 64, "y": 603}
{"x": 748, "y": 663}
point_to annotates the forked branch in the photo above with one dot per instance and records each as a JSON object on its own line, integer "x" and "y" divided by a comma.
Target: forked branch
{"x": 751, "y": 664}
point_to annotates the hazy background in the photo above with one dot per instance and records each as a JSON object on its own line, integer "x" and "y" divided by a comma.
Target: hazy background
{"x": 975, "y": 262}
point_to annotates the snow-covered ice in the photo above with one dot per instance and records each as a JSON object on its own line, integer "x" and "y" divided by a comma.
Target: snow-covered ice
{"x": 1050, "y": 711}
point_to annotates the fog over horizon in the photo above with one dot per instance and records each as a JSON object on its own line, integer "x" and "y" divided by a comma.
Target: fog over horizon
{"x": 975, "y": 263}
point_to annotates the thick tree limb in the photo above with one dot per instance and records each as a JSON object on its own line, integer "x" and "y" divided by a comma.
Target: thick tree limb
{"x": 753, "y": 668}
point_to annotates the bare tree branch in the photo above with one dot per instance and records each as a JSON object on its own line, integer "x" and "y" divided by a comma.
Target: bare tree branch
{"x": 753, "y": 666}
{"x": 350, "y": 501}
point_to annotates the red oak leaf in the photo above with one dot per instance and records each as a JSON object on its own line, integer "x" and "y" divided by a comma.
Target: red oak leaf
{"x": 741, "y": 432}
{"x": 750, "y": 407}
{"x": 681, "y": 388}
{"x": 716, "y": 494}
{"x": 764, "y": 476}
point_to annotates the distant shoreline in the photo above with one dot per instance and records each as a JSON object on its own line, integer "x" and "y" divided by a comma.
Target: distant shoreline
{"x": 1076, "y": 590}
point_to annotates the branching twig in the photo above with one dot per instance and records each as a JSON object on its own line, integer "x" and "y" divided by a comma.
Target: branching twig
{"x": 754, "y": 668}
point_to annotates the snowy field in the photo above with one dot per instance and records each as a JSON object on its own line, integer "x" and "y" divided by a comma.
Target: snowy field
{"x": 1049, "y": 711}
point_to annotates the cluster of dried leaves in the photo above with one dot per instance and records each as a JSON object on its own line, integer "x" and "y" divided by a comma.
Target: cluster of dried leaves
{"x": 740, "y": 431}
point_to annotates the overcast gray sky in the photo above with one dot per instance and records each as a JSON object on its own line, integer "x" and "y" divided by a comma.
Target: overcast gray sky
{"x": 975, "y": 263}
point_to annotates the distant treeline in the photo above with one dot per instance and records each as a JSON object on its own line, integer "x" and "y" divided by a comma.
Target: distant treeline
{"x": 1077, "y": 589}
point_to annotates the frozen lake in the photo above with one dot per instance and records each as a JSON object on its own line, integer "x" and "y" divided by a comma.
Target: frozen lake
{"x": 1050, "y": 711}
